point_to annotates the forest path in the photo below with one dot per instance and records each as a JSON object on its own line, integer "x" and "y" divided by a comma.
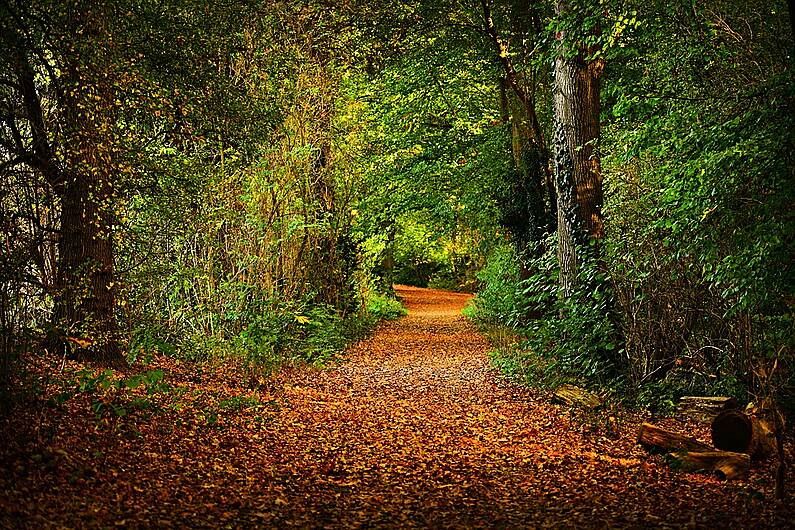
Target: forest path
{"x": 413, "y": 429}
{"x": 416, "y": 429}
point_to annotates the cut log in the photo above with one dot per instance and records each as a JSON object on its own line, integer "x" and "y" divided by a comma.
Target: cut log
{"x": 703, "y": 408}
{"x": 735, "y": 431}
{"x": 573, "y": 395}
{"x": 661, "y": 440}
{"x": 725, "y": 464}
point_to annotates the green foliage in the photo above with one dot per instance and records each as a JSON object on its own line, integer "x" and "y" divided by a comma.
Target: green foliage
{"x": 273, "y": 333}
{"x": 563, "y": 338}
{"x": 238, "y": 403}
{"x": 700, "y": 181}
{"x": 272, "y": 171}
{"x": 113, "y": 397}
{"x": 498, "y": 301}
{"x": 694, "y": 293}
{"x": 382, "y": 306}
{"x": 437, "y": 156}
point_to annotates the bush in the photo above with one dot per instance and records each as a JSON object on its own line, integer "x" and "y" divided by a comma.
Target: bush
{"x": 384, "y": 306}
{"x": 561, "y": 339}
{"x": 701, "y": 253}
{"x": 498, "y": 301}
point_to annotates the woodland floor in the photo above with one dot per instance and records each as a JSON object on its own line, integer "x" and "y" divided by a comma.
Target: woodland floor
{"x": 413, "y": 429}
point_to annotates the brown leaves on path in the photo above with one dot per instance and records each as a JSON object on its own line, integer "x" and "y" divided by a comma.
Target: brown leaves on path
{"x": 413, "y": 429}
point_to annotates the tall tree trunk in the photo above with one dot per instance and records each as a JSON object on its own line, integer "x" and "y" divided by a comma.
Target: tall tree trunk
{"x": 80, "y": 175}
{"x": 85, "y": 306}
{"x": 84, "y": 290}
{"x": 578, "y": 175}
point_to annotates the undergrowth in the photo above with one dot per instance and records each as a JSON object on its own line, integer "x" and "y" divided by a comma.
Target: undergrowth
{"x": 263, "y": 340}
{"x": 542, "y": 338}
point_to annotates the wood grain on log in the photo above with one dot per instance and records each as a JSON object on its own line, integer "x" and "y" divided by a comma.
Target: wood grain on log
{"x": 704, "y": 408}
{"x": 657, "y": 438}
{"x": 728, "y": 465}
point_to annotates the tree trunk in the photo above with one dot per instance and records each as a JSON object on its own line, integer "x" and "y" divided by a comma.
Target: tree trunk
{"x": 689, "y": 454}
{"x": 526, "y": 214}
{"x": 532, "y": 220}
{"x": 578, "y": 175}
{"x": 79, "y": 173}
{"x": 81, "y": 176}
{"x": 84, "y": 292}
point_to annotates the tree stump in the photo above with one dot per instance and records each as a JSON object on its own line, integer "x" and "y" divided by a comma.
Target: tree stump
{"x": 661, "y": 440}
{"x": 735, "y": 431}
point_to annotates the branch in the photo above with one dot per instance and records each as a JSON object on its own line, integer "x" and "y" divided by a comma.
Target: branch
{"x": 43, "y": 156}
{"x": 510, "y": 74}
{"x": 502, "y": 52}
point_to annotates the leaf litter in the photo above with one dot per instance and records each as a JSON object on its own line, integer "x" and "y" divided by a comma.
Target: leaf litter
{"x": 413, "y": 429}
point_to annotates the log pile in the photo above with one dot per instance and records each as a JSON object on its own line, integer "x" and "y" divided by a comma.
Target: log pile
{"x": 738, "y": 438}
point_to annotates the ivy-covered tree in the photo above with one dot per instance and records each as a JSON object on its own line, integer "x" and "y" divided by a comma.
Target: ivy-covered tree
{"x": 578, "y": 175}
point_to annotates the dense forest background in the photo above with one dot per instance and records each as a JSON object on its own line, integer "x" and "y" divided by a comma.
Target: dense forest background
{"x": 242, "y": 183}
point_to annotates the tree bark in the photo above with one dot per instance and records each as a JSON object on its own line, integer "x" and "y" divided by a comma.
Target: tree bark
{"x": 659, "y": 439}
{"x": 578, "y": 175}
{"x": 84, "y": 292}
{"x": 725, "y": 464}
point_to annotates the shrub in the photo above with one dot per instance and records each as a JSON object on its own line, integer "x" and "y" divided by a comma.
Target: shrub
{"x": 498, "y": 301}
{"x": 384, "y": 306}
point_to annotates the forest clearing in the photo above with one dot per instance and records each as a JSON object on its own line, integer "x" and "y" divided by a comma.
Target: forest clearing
{"x": 397, "y": 263}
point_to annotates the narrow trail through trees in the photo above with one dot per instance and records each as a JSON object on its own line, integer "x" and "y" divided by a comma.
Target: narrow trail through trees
{"x": 413, "y": 429}
{"x": 417, "y": 429}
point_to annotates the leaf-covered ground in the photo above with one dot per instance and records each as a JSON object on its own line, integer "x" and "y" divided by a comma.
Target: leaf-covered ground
{"x": 413, "y": 429}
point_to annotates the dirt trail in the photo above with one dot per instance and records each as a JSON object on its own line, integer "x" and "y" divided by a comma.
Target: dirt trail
{"x": 413, "y": 429}
{"x": 416, "y": 429}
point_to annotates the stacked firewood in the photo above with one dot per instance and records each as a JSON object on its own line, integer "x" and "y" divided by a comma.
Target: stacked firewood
{"x": 737, "y": 437}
